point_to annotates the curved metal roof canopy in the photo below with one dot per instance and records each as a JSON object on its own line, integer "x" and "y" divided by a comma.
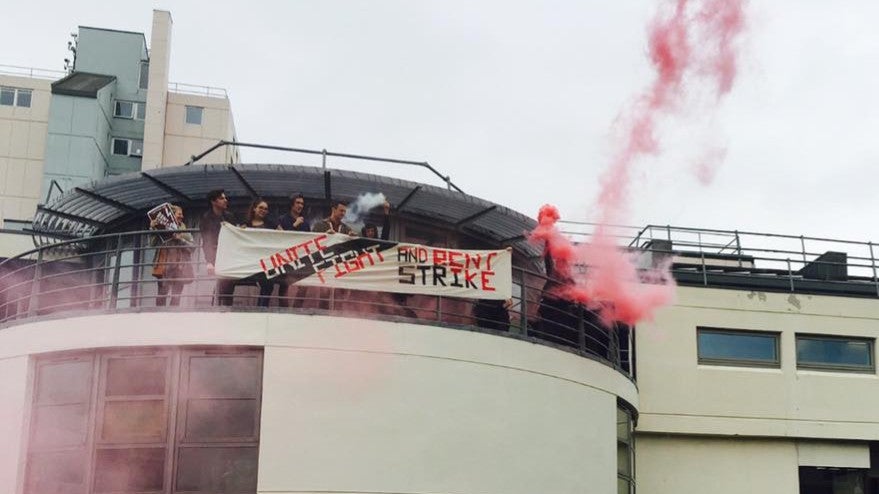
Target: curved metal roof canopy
{"x": 105, "y": 205}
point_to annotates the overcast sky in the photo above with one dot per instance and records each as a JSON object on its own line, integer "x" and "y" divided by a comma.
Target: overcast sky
{"x": 516, "y": 100}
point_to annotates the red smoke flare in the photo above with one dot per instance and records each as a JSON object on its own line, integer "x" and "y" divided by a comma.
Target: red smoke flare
{"x": 688, "y": 40}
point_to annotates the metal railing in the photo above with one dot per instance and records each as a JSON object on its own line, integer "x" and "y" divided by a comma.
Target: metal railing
{"x": 197, "y": 90}
{"x": 32, "y": 72}
{"x": 114, "y": 273}
{"x": 324, "y": 155}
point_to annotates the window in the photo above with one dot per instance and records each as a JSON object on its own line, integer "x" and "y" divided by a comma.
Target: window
{"x": 130, "y": 109}
{"x": 194, "y": 114}
{"x": 737, "y": 347}
{"x": 127, "y": 147}
{"x": 625, "y": 453}
{"x": 124, "y": 420}
{"x": 835, "y": 353}
{"x": 143, "y": 80}
{"x": 832, "y": 480}
{"x": 24, "y": 98}
{"x": 10, "y": 96}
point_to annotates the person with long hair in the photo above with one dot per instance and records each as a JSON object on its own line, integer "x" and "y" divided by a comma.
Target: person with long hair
{"x": 172, "y": 266}
{"x": 258, "y": 217}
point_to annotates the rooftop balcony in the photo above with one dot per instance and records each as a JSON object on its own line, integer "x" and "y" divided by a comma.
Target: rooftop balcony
{"x": 112, "y": 273}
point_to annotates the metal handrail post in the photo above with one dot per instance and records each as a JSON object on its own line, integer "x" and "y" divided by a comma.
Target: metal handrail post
{"x": 704, "y": 268}
{"x": 738, "y": 248}
{"x": 523, "y": 308}
{"x": 581, "y": 330}
{"x": 873, "y": 265}
{"x": 803, "y": 246}
{"x": 324, "y": 159}
{"x": 34, "y": 300}
{"x": 114, "y": 287}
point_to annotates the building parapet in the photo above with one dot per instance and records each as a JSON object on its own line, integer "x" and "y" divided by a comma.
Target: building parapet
{"x": 197, "y": 90}
{"x": 32, "y": 72}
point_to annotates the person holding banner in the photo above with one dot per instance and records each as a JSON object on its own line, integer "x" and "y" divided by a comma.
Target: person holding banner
{"x": 172, "y": 265}
{"x": 333, "y": 222}
{"x": 257, "y": 217}
{"x": 294, "y": 220}
{"x": 209, "y": 227}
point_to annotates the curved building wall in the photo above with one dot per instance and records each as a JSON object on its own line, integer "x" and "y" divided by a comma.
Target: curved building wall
{"x": 353, "y": 405}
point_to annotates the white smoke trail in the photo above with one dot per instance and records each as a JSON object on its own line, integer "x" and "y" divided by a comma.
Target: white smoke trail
{"x": 359, "y": 207}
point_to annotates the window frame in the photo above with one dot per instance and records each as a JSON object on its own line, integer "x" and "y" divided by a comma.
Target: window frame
{"x": 739, "y": 362}
{"x": 16, "y": 93}
{"x": 626, "y": 444}
{"x": 861, "y": 369}
{"x": 30, "y": 100}
{"x": 130, "y": 147}
{"x": 138, "y": 110}
{"x": 200, "y": 114}
{"x": 143, "y": 78}
{"x": 89, "y": 450}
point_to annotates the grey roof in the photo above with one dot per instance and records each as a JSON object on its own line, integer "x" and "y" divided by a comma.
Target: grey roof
{"x": 82, "y": 84}
{"x": 107, "y": 205}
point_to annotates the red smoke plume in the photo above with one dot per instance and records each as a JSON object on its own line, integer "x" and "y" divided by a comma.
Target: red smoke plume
{"x": 689, "y": 41}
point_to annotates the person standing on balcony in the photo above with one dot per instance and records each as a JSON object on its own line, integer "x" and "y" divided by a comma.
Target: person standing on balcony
{"x": 294, "y": 220}
{"x": 209, "y": 227}
{"x": 333, "y": 222}
{"x": 258, "y": 217}
{"x": 370, "y": 230}
{"x": 173, "y": 263}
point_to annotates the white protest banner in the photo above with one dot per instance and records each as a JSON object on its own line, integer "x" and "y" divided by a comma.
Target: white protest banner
{"x": 339, "y": 261}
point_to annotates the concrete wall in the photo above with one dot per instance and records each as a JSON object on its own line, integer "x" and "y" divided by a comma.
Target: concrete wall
{"x": 680, "y": 396}
{"x": 111, "y": 52}
{"x": 354, "y": 405}
{"x": 22, "y": 148}
{"x": 78, "y": 142}
{"x": 676, "y": 465}
{"x": 183, "y": 140}
{"x": 157, "y": 93}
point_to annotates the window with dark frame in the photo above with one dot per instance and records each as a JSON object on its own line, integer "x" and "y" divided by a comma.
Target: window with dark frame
{"x": 120, "y": 146}
{"x": 835, "y": 353}
{"x": 146, "y": 420}
{"x": 720, "y": 346}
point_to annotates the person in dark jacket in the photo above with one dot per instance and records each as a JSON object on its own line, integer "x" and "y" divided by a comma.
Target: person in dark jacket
{"x": 294, "y": 219}
{"x": 209, "y": 227}
{"x": 258, "y": 217}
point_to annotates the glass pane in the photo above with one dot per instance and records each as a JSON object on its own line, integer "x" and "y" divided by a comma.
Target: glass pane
{"x": 62, "y": 472}
{"x": 141, "y": 111}
{"x": 136, "y": 376}
{"x": 623, "y": 459}
{"x": 223, "y": 376}
{"x": 64, "y": 382}
{"x": 24, "y": 98}
{"x": 130, "y": 470}
{"x": 128, "y": 420}
{"x": 834, "y": 351}
{"x": 738, "y": 346}
{"x": 123, "y": 109}
{"x": 60, "y": 425}
{"x": 193, "y": 114}
{"x": 7, "y": 96}
{"x": 144, "y": 75}
{"x": 622, "y": 486}
{"x": 136, "y": 148}
{"x": 220, "y": 418}
{"x": 218, "y": 470}
{"x": 120, "y": 146}
{"x": 622, "y": 426}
